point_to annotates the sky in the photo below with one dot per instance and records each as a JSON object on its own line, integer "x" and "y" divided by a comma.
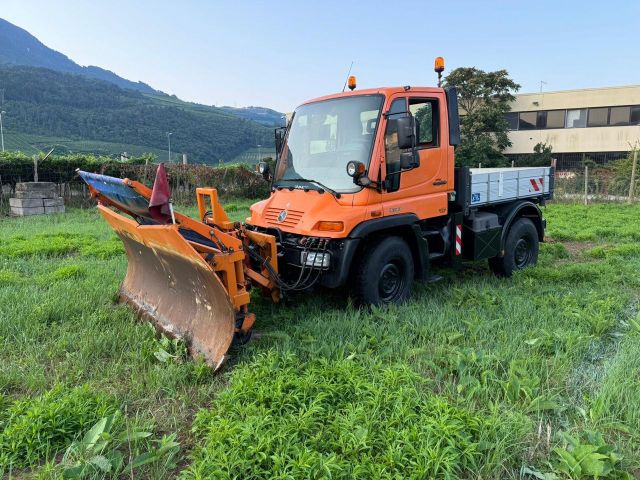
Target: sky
{"x": 280, "y": 53}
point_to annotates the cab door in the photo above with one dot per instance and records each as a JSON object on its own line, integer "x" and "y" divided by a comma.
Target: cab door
{"x": 422, "y": 190}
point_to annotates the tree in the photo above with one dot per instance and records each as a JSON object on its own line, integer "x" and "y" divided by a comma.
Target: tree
{"x": 484, "y": 99}
{"x": 542, "y": 155}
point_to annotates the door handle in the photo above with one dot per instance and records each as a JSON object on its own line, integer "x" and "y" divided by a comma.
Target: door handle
{"x": 439, "y": 182}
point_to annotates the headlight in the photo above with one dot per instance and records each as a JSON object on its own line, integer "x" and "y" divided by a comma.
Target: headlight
{"x": 315, "y": 259}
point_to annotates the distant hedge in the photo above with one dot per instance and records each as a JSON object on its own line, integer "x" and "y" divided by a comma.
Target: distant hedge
{"x": 233, "y": 180}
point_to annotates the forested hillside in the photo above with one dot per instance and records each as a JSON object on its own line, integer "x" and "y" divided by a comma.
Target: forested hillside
{"x": 42, "y": 102}
{"x": 263, "y": 115}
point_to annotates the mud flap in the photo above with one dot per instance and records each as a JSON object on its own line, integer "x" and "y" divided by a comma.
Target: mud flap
{"x": 170, "y": 284}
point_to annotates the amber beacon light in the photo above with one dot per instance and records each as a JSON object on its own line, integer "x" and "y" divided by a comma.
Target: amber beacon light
{"x": 351, "y": 83}
{"x": 439, "y": 68}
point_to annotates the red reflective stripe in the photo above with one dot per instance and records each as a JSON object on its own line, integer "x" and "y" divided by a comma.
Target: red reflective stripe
{"x": 534, "y": 184}
{"x": 458, "y": 240}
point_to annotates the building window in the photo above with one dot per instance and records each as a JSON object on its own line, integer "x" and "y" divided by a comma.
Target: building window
{"x": 619, "y": 115}
{"x": 635, "y": 115}
{"x": 541, "y": 121}
{"x": 576, "y": 118}
{"x": 512, "y": 120}
{"x": 598, "y": 117}
{"x": 528, "y": 120}
{"x": 555, "y": 119}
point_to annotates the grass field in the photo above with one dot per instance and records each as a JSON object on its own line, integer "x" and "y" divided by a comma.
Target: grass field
{"x": 477, "y": 377}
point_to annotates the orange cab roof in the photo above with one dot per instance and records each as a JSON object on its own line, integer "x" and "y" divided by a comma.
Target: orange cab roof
{"x": 386, "y": 91}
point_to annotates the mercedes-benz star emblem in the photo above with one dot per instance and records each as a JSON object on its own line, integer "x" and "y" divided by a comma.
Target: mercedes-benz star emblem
{"x": 282, "y": 216}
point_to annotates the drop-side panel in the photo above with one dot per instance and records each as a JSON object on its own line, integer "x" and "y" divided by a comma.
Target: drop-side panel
{"x": 497, "y": 185}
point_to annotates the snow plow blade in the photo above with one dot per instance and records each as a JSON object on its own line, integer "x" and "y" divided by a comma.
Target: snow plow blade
{"x": 169, "y": 283}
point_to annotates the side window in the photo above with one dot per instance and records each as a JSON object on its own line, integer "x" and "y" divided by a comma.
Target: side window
{"x": 425, "y": 113}
{"x": 392, "y": 152}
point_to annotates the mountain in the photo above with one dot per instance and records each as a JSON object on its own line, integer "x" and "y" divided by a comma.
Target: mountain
{"x": 52, "y": 101}
{"x": 48, "y": 108}
{"x": 263, "y": 115}
{"x": 19, "y": 47}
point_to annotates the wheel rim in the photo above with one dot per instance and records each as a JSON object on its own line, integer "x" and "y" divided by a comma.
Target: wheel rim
{"x": 391, "y": 282}
{"x": 522, "y": 252}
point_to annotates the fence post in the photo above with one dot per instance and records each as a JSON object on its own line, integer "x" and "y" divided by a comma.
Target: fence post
{"x": 184, "y": 158}
{"x": 633, "y": 175}
{"x": 35, "y": 168}
{"x": 146, "y": 167}
{"x": 586, "y": 184}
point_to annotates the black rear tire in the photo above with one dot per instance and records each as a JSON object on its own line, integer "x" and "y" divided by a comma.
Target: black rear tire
{"x": 384, "y": 273}
{"x": 520, "y": 249}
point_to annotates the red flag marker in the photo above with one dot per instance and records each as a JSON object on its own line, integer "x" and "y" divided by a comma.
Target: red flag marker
{"x": 160, "y": 206}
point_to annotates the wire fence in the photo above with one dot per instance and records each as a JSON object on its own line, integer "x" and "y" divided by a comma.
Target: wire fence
{"x": 596, "y": 181}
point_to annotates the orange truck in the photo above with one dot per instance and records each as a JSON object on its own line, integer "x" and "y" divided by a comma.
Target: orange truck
{"x": 365, "y": 194}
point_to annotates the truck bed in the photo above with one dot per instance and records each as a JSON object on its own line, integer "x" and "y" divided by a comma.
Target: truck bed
{"x": 486, "y": 186}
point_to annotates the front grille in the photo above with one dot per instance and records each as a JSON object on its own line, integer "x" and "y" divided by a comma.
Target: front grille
{"x": 292, "y": 219}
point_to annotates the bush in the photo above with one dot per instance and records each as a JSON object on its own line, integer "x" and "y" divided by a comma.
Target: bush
{"x": 339, "y": 419}
{"x": 35, "y": 429}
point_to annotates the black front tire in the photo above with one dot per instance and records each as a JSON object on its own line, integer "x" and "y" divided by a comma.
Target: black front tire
{"x": 520, "y": 249}
{"x": 384, "y": 273}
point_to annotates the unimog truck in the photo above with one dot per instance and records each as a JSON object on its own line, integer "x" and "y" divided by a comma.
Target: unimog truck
{"x": 365, "y": 196}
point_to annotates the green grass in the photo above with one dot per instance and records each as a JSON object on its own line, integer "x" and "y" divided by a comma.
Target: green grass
{"x": 476, "y": 377}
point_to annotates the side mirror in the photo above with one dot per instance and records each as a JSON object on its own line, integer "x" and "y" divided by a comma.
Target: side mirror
{"x": 263, "y": 169}
{"x": 406, "y": 132}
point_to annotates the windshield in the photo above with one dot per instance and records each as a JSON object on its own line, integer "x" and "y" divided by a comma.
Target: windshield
{"x": 324, "y": 137}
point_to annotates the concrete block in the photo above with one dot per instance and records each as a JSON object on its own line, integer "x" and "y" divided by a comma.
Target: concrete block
{"x": 57, "y": 209}
{"x": 36, "y": 187}
{"x": 26, "y": 202}
{"x": 34, "y": 194}
{"x": 53, "y": 202}
{"x": 25, "y": 211}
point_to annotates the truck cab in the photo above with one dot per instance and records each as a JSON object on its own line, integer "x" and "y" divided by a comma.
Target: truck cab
{"x": 365, "y": 192}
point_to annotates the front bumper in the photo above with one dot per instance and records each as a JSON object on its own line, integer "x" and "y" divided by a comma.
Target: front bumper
{"x": 293, "y": 248}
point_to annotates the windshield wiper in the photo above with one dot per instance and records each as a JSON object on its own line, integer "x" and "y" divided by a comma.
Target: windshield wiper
{"x": 322, "y": 186}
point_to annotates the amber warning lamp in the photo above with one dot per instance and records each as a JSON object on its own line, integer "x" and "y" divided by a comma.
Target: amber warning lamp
{"x": 439, "y": 68}
{"x": 351, "y": 82}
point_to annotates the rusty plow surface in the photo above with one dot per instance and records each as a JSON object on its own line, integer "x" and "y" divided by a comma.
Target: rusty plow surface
{"x": 170, "y": 284}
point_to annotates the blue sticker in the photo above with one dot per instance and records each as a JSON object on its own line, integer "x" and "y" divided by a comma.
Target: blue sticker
{"x": 475, "y": 197}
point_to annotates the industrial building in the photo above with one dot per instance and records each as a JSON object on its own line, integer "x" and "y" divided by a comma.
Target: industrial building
{"x": 601, "y": 124}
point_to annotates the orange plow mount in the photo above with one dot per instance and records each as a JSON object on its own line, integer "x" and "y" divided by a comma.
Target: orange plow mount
{"x": 189, "y": 278}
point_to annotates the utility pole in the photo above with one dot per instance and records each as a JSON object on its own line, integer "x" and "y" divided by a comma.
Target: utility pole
{"x": 1, "y": 129}
{"x": 542, "y": 82}
{"x": 169, "y": 138}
